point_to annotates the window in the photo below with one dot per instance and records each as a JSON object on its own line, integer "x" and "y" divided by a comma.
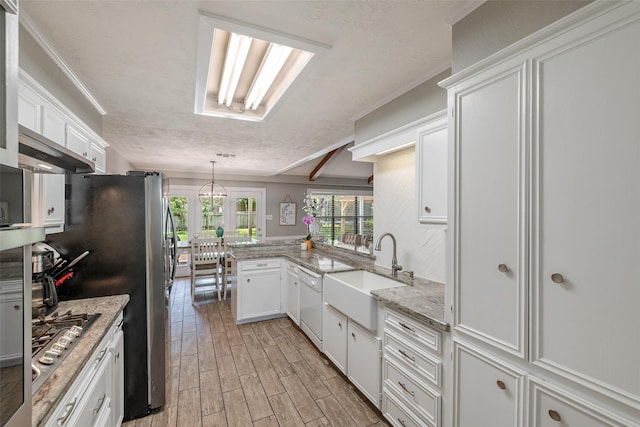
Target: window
{"x": 343, "y": 215}
{"x": 180, "y": 210}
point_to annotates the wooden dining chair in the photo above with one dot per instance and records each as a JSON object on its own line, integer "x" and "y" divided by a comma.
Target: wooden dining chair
{"x": 205, "y": 265}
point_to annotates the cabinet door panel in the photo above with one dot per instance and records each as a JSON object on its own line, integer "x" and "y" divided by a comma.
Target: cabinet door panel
{"x": 431, "y": 164}
{"x": 588, "y": 213}
{"x": 334, "y": 337}
{"x": 553, "y": 407}
{"x": 490, "y": 303}
{"x": 260, "y": 294}
{"x": 293, "y": 297}
{"x": 364, "y": 361}
{"x": 53, "y": 125}
{"x": 29, "y": 112}
{"x": 77, "y": 142}
{"x": 486, "y": 393}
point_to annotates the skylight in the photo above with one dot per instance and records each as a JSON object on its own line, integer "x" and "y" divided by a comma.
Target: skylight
{"x": 243, "y": 70}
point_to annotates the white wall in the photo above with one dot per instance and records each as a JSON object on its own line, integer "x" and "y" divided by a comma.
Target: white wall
{"x": 420, "y": 247}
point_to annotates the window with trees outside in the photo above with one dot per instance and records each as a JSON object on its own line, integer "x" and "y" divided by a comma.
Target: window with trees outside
{"x": 343, "y": 217}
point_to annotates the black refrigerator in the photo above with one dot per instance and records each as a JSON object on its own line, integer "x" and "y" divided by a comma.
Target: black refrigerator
{"x": 123, "y": 221}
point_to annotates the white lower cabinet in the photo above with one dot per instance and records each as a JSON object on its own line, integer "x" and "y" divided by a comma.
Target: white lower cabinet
{"x": 293, "y": 293}
{"x": 364, "y": 352}
{"x": 117, "y": 398}
{"x": 486, "y": 392}
{"x": 553, "y": 406}
{"x": 334, "y": 339}
{"x": 258, "y": 295}
{"x": 354, "y": 350}
{"x": 11, "y": 320}
{"x": 97, "y": 391}
{"x": 411, "y": 372}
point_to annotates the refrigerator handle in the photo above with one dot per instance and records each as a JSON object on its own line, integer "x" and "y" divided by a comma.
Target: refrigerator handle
{"x": 174, "y": 242}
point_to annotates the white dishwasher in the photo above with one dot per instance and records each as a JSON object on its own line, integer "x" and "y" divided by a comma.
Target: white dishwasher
{"x": 311, "y": 305}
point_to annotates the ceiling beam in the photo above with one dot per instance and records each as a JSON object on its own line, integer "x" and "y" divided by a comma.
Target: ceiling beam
{"x": 317, "y": 171}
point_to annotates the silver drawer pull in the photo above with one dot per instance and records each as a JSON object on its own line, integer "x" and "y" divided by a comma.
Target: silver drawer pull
{"x": 402, "y": 352}
{"x": 68, "y": 410}
{"x": 407, "y": 327}
{"x": 100, "y": 403}
{"x": 404, "y": 387}
{"x": 261, "y": 265}
{"x": 101, "y": 356}
{"x": 401, "y": 422}
{"x": 503, "y": 268}
{"x": 557, "y": 278}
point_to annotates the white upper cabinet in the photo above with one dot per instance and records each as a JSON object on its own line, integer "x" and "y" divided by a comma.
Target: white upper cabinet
{"x": 99, "y": 157}
{"x": 53, "y": 125}
{"x": 77, "y": 141}
{"x": 489, "y": 163}
{"x": 30, "y": 111}
{"x": 431, "y": 170}
{"x": 41, "y": 112}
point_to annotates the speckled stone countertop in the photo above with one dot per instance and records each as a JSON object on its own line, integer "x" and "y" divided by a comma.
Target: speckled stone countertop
{"x": 421, "y": 299}
{"x": 46, "y": 399}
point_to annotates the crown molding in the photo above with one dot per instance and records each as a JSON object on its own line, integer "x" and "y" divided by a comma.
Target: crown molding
{"x": 29, "y": 26}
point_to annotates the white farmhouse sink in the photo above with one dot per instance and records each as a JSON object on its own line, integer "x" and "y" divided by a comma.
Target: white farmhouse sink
{"x": 349, "y": 292}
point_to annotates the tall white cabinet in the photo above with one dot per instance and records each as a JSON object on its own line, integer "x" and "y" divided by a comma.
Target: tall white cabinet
{"x": 545, "y": 241}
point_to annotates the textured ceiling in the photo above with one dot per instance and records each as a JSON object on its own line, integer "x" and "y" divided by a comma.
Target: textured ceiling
{"x": 138, "y": 59}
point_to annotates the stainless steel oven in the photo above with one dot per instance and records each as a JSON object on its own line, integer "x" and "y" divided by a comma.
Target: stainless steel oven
{"x": 16, "y": 238}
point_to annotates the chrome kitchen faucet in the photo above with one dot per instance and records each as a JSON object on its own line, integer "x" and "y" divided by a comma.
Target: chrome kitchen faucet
{"x": 394, "y": 261}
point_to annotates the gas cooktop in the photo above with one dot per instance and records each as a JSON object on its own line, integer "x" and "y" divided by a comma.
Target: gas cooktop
{"x": 52, "y": 339}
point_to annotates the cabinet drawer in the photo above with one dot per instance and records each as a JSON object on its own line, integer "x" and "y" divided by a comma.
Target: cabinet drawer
{"x": 398, "y": 414}
{"x": 413, "y": 330}
{"x": 424, "y": 401}
{"x": 426, "y": 366}
{"x": 98, "y": 400}
{"x": 260, "y": 264}
{"x": 553, "y": 407}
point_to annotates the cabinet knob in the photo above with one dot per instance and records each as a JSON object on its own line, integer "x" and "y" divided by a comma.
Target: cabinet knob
{"x": 84, "y": 154}
{"x": 16, "y": 307}
{"x": 557, "y": 278}
{"x": 501, "y": 384}
{"x": 427, "y": 209}
{"x": 555, "y": 415}
{"x": 118, "y": 355}
{"x": 51, "y": 210}
{"x": 353, "y": 335}
{"x": 93, "y": 159}
{"x": 503, "y": 268}
{"x": 248, "y": 280}
{"x": 340, "y": 325}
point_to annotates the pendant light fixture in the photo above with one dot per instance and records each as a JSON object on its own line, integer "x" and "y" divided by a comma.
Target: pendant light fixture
{"x": 212, "y": 192}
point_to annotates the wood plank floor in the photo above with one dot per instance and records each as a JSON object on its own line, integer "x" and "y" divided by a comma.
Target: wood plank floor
{"x": 260, "y": 374}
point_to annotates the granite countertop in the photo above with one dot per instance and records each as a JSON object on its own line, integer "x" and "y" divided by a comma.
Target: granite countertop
{"x": 421, "y": 299}
{"x": 46, "y": 399}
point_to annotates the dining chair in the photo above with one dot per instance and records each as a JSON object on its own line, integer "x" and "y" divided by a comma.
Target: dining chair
{"x": 205, "y": 265}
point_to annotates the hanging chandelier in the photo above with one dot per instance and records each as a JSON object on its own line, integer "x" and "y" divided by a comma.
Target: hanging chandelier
{"x": 211, "y": 194}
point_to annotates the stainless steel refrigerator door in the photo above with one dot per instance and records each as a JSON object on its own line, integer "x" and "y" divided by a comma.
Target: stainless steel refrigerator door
{"x": 155, "y": 290}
